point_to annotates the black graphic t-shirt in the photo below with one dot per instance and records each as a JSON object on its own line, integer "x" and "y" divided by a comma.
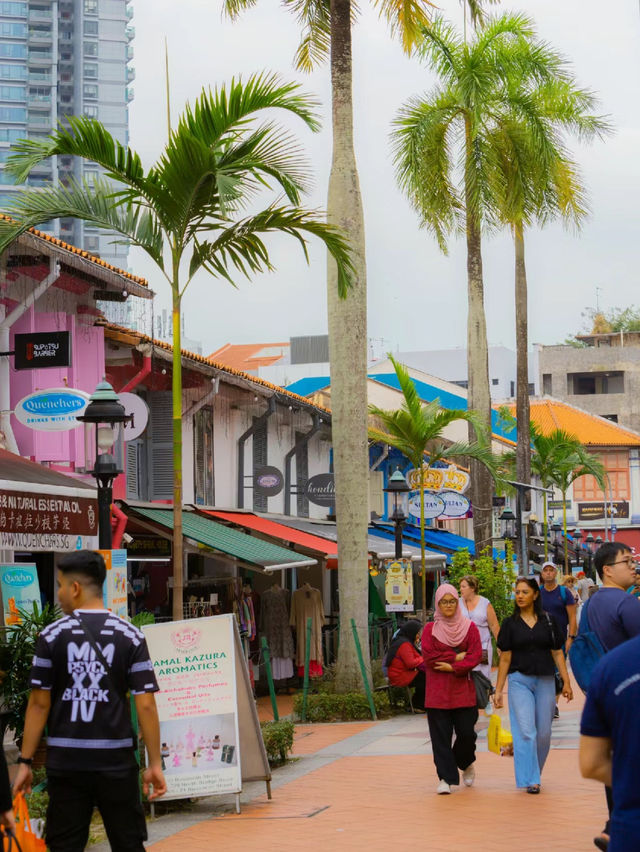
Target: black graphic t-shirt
{"x": 89, "y": 728}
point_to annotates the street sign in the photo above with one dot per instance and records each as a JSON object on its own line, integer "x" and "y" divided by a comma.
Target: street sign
{"x": 321, "y": 489}
{"x": 52, "y": 410}
{"x": 43, "y": 349}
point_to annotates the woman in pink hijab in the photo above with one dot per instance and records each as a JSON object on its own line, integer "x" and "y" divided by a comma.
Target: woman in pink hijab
{"x": 451, "y": 648}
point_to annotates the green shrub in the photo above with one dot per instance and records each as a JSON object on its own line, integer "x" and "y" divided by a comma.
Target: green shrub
{"x": 345, "y": 707}
{"x": 278, "y": 739}
{"x": 495, "y": 578}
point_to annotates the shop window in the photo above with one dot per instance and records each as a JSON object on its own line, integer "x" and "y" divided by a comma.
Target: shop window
{"x": 203, "y": 478}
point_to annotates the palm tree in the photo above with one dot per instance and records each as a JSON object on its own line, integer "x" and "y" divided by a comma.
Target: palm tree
{"x": 539, "y": 183}
{"x": 416, "y": 429}
{"x": 189, "y": 210}
{"x": 445, "y": 152}
{"x": 326, "y": 31}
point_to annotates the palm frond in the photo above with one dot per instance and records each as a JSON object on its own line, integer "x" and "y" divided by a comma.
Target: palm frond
{"x": 314, "y": 17}
{"x": 407, "y": 19}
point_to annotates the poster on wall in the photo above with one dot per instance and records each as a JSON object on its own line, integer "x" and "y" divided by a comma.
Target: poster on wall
{"x": 20, "y": 590}
{"x": 398, "y": 585}
{"x": 209, "y": 730}
{"x": 114, "y": 591}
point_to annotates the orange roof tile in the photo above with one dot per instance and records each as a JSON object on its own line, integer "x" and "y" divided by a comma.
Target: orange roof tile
{"x": 193, "y": 356}
{"x": 590, "y": 429}
{"x": 246, "y": 356}
{"x": 81, "y": 252}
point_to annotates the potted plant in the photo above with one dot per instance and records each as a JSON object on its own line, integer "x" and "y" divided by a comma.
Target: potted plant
{"x": 17, "y": 647}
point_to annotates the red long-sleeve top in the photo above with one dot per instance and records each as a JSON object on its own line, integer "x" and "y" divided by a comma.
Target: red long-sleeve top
{"x": 447, "y": 690}
{"x": 405, "y": 664}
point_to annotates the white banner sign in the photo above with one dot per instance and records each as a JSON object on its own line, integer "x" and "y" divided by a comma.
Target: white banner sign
{"x": 45, "y": 542}
{"x": 53, "y": 410}
{"x": 194, "y": 662}
{"x": 433, "y": 505}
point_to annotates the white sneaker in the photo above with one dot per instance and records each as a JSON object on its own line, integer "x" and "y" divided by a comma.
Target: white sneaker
{"x": 469, "y": 774}
{"x": 443, "y": 788}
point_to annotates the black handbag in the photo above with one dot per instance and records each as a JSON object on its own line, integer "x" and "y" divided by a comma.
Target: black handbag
{"x": 484, "y": 689}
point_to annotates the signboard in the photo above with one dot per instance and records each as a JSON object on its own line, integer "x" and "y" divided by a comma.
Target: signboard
{"x": 209, "y": 729}
{"x": 498, "y": 502}
{"x": 439, "y": 478}
{"x": 42, "y": 349}
{"x": 455, "y": 505}
{"x": 398, "y": 585}
{"x": 53, "y": 410}
{"x": 321, "y": 489}
{"x": 20, "y": 590}
{"x": 268, "y": 481}
{"x": 40, "y": 522}
{"x": 149, "y": 547}
{"x": 596, "y": 511}
{"x": 558, "y": 504}
{"x": 433, "y": 505}
{"x": 114, "y": 591}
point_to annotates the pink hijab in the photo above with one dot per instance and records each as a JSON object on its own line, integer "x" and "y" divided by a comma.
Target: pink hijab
{"x": 450, "y": 631}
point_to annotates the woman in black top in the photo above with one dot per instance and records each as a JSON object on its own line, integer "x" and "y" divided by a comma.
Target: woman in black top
{"x": 531, "y": 647}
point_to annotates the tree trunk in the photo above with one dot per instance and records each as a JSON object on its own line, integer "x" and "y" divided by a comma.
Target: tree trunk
{"x": 176, "y": 391}
{"x": 479, "y": 395}
{"x": 423, "y": 559}
{"x": 523, "y": 448}
{"x": 348, "y": 356}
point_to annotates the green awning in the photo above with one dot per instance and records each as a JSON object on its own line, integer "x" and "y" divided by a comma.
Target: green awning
{"x": 227, "y": 540}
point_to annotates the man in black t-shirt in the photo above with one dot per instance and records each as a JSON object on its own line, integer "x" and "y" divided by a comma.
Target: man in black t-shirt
{"x": 84, "y": 665}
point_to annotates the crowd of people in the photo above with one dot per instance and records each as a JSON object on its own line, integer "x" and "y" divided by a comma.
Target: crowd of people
{"x": 442, "y": 661}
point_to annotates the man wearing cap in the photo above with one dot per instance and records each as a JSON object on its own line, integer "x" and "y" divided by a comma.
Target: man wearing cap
{"x": 559, "y": 603}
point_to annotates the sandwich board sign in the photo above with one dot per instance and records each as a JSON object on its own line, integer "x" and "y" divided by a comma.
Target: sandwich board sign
{"x": 209, "y": 730}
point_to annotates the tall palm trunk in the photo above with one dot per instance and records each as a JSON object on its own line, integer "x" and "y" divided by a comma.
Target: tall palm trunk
{"x": 479, "y": 395}
{"x": 564, "y": 530}
{"x": 545, "y": 526}
{"x": 348, "y": 355}
{"x": 423, "y": 560}
{"x": 176, "y": 393}
{"x": 523, "y": 448}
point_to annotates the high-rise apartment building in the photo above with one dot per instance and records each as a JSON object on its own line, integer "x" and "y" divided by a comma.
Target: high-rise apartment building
{"x": 60, "y": 58}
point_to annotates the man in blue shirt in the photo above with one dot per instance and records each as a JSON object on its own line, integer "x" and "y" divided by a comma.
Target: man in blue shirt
{"x": 559, "y": 603}
{"x": 614, "y": 616}
{"x": 610, "y": 740}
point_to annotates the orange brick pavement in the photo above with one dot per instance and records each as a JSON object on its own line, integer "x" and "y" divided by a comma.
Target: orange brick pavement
{"x": 309, "y": 739}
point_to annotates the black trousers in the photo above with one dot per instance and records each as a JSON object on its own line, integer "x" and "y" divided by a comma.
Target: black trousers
{"x": 418, "y": 684}
{"x": 609, "y": 794}
{"x": 72, "y": 798}
{"x": 450, "y": 756}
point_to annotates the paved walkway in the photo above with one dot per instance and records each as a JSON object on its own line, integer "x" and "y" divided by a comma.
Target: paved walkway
{"x": 365, "y": 786}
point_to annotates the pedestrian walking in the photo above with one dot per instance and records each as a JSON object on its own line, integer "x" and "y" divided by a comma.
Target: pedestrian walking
{"x": 84, "y": 665}
{"x": 404, "y": 664}
{"x": 451, "y": 649}
{"x": 583, "y": 584}
{"x": 610, "y": 741}
{"x": 614, "y": 616}
{"x": 569, "y": 582}
{"x": 480, "y": 610}
{"x": 531, "y": 649}
{"x": 559, "y": 602}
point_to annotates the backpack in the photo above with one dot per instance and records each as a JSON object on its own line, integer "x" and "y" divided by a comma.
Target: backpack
{"x": 585, "y": 651}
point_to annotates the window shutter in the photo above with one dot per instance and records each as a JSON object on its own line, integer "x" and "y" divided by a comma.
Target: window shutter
{"x": 302, "y": 475}
{"x": 133, "y": 471}
{"x": 259, "y": 460}
{"x": 204, "y": 493}
{"x": 161, "y": 447}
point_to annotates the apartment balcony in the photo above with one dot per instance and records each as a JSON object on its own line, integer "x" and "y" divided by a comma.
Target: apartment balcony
{"x": 129, "y": 94}
{"x": 40, "y": 57}
{"x": 129, "y": 52}
{"x": 44, "y": 79}
{"x": 44, "y": 15}
{"x": 129, "y": 12}
{"x": 39, "y": 102}
{"x": 131, "y": 74}
{"x": 39, "y": 121}
{"x": 40, "y": 37}
{"x": 130, "y": 33}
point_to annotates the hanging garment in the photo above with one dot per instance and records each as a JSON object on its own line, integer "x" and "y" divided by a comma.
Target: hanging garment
{"x": 274, "y": 614}
{"x": 307, "y": 602}
{"x": 282, "y": 668}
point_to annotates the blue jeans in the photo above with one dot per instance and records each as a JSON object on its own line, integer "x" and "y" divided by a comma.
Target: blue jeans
{"x": 531, "y": 704}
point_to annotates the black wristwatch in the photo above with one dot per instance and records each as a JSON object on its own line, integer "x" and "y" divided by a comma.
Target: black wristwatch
{"x": 26, "y": 760}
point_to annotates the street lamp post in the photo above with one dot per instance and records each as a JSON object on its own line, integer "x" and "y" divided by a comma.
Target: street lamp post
{"x": 105, "y": 417}
{"x": 557, "y": 529}
{"x": 399, "y": 488}
{"x": 577, "y": 537}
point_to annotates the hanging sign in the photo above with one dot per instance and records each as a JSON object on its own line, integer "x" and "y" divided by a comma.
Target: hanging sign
{"x": 53, "y": 410}
{"x": 398, "y": 585}
{"x": 148, "y": 547}
{"x": 268, "y": 481}
{"x": 42, "y": 522}
{"x": 595, "y": 511}
{"x": 321, "y": 489}
{"x": 439, "y": 478}
{"x": 42, "y": 349}
{"x": 114, "y": 590}
{"x": 433, "y": 505}
{"x": 558, "y": 504}
{"x": 20, "y": 590}
{"x": 455, "y": 505}
{"x": 209, "y": 730}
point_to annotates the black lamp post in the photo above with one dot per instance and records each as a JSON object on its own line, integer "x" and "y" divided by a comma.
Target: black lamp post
{"x": 557, "y": 532}
{"x": 599, "y": 541}
{"x": 589, "y": 541}
{"x": 577, "y": 537}
{"x": 399, "y": 487}
{"x": 507, "y": 518}
{"x": 105, "y": 415}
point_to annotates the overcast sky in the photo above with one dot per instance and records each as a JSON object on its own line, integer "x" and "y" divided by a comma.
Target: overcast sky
{"x": 417, "y": 297}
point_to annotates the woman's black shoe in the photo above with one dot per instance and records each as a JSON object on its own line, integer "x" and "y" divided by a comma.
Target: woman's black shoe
{"x": 601, "y": 842}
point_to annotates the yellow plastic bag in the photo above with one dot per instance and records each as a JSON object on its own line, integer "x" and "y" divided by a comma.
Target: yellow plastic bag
{"x": 499, "y": 739}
